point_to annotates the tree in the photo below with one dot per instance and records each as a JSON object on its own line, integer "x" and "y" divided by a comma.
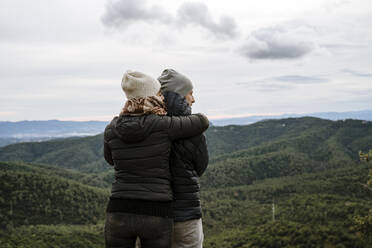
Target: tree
{"x": 364, "y": 224}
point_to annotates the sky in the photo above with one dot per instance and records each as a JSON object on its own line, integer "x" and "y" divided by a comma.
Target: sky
{"x": 64, "y": 59}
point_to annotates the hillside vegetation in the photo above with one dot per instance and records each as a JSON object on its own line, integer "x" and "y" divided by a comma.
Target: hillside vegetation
{"x": 279, "y": 148}
{"x": 308, "y": 169}
{"x": 311, "y": 210}
{"x": 311, "y": 143}
{"x": 47, "y": 236}
{"x": 82, "y": 154}
{"x": 29, "y": 198}
{"x": 322, "y": 205}
{"x": 101, "y": 180}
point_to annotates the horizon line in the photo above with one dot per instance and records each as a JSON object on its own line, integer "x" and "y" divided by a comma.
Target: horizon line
{"x": 107, "y": 118}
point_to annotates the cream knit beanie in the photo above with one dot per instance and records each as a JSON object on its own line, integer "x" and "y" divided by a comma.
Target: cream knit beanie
{"x": 138, "y": 84}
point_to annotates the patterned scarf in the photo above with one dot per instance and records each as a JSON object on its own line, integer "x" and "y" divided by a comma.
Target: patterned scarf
{"x": 145, "y": 105}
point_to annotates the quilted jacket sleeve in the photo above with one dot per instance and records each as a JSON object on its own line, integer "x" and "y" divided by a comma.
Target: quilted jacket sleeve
{"x": 181, "y": 127}
{"x": 201, "y": 156}
{"x": 106, "y": 148}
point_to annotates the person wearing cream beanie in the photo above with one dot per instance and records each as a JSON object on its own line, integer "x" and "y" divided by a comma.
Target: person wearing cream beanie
{"x": 143, "y": 94}
{"x": 137, "y": 144}
{"x": 137, "y": 84}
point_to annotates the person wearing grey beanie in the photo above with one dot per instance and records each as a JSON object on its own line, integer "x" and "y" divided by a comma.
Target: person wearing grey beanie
{"x": 189, "y": 160}
{"x": 174, "y": 81}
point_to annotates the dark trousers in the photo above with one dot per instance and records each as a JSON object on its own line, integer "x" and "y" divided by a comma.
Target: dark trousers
{"x": 122, "y": 230}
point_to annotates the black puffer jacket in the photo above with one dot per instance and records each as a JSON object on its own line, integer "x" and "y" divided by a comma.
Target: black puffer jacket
{"x": 189, "y": 159}
{"x": 139, "y": 148}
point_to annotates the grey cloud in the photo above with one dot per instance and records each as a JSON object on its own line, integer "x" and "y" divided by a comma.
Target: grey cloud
{"x": 275, "y": 43}
{"x": 285, "y": 82}
{"x": 344, "y": 46}
{"x": 357, "y": 74}
{"x": 274, "y": 87}
{"x": 265, "y": 85}
{"x": 125, "y": 12}
{"x": 358, "y": 92}
{"x": 300, "y": 79}
{"x": 198, "y": 14}
{"x": 122, "y": 13}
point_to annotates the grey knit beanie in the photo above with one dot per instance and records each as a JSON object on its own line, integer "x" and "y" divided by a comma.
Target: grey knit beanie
{"x": 171, "y": 80}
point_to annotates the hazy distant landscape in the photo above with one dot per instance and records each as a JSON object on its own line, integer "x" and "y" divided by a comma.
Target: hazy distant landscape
{"x": 28, "y": 131}
{"x": 56, "y": 191}
{"x": 358, "y": 115}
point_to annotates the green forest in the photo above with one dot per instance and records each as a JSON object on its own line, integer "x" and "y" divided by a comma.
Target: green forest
{"x": 297, "y": 182}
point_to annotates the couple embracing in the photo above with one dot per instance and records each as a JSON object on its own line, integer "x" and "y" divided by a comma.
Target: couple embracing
{"x": 158, "y": 150}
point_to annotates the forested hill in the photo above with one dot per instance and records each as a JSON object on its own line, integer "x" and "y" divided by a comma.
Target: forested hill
{"x": 227, "y": 139}
{"x": 284, "y": 147}
{"x": 243, "y": 153}
{"x": 307, "y": 169}
{"x": 44, "y": 209}
{"x": 32, "y": 194}
{"x": 82, "y": 154}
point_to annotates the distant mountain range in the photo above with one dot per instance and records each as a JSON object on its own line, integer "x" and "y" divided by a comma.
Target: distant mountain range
{"x": 30, "y": 131}
{"x": 26, "y": 131}
{"x": 359, "y": 115}
{"x": 51, "y": 128}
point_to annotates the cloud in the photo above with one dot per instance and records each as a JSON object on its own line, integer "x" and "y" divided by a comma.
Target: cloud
{"x": 280, "y": 83}
{"x": 199, "y": 15}
{"x": 300, "y": 79}
{"x": 276, "y": 43}
{"x": 266, "y": 85}
{"x": 358, "y": 92}
{"x": 357, "y": 74}
{"x": 120, "y": 14}
{"x": 272, "y": 87}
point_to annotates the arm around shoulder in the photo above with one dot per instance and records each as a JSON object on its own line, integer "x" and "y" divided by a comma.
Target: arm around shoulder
{"x": 181, "y": 127}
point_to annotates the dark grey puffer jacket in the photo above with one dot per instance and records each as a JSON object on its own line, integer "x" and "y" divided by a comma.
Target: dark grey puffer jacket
{"x": 139, "y": 148}
{"x": 189, "y": 160}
